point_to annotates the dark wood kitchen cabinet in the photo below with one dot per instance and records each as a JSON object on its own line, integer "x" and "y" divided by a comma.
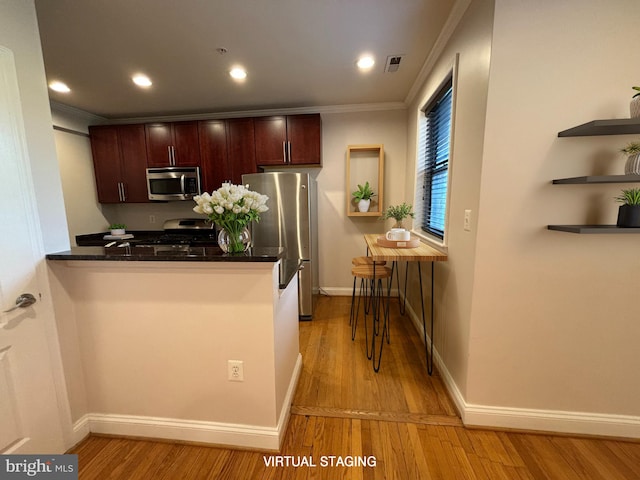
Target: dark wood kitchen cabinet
{"x": 241, "y": 148}
{"x": 288, "y": 140}
{"x": 173, "y": 144}
{"x": 120, "y": 162}
{"x": 213, "y": 153}
{"x": 227, "y": 151}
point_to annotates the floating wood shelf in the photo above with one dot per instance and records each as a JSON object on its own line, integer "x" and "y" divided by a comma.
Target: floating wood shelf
{"x": 598, "y": 179}
{"x": 621, "y": 126}
{"x": 365, "y": 163}
{"x": 591, "y": 229}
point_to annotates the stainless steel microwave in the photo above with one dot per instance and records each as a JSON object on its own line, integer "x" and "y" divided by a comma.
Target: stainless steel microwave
{"x": 173, "y": 183}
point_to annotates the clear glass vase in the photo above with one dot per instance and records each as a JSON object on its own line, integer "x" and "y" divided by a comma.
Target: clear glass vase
{"x": 234, "y": 240}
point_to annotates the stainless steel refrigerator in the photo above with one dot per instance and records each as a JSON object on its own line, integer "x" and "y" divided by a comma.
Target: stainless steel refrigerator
{"x": 291, "y": 223}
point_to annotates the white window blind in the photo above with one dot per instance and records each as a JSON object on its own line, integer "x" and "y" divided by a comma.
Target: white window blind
{"x": 433, "y": 170}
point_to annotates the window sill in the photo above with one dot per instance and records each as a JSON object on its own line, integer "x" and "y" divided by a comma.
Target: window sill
{"x": 430, "y": 240}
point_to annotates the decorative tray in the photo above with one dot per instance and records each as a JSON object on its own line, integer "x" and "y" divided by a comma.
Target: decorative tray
{"x": 125, "y": 236}
{"x": 412, "y": 243}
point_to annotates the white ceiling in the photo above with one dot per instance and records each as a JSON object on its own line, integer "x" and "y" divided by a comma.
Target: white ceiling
{"x": 298, "y": 53}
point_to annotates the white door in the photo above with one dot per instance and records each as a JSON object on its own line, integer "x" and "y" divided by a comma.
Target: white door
{"x": 30, "y": 415}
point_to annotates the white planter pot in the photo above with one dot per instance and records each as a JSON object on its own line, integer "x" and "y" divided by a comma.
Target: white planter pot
{"x": 363, "y": 205}
{"x": 632, "y": 167}
{"x": 634, "y": 108}
{"x": 117, "y": 231}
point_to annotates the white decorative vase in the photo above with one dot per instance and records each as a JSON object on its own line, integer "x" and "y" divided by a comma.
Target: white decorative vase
{"x": 117, "y": 231}
{"x": 634, "y": 107}
{"x": 363, "y": 205}
{"x": 632, "y": 166}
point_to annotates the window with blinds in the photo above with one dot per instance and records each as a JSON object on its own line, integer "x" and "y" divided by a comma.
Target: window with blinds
{"x": 433, "y": 170}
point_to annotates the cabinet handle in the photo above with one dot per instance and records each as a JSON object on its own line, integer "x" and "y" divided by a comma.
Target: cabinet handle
{"x": 173, "y": 155}
{"x": 288, "y": 152}
{"x": 124, "y": 193}
{"x": 284, "y": 151}
{"x": 169, "y": 154}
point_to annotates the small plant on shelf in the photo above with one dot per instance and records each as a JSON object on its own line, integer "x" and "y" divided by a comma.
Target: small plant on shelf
{"x": 632, "y": 148}
{"x": 117, "y": 228}
{"x": 363, "y": 197}
{"x": 398, "y": 213}
{"x": 363, "y": 192}
{"x": 629, "y": 211}
{"x": 629, "y": 196}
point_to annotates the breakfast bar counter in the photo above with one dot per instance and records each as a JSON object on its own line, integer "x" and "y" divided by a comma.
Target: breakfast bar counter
{"x": 160, "y": 332}
{"x": 181, "y": 253}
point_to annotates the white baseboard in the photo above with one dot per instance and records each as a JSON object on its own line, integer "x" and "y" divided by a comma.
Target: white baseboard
{"x": 345, "y": 292}
{"x": 580, "y": 423}
{"x": 217, "y": 433}
{"x": 80, "y": 430}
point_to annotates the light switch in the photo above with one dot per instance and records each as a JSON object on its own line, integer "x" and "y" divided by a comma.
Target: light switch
{"x": 467, "y": 220}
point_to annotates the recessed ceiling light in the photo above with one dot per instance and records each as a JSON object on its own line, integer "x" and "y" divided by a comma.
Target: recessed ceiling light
{"x": 141, "y": 80}
{"x": 238, "y": 73}
{"x": 59, "y": 87}
{"x": 365, "y": 62}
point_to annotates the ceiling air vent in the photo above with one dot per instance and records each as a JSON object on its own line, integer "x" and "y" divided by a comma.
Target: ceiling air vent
{"x": 393, "y": 63}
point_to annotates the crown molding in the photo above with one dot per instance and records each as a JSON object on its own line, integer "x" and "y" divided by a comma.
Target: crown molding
{"x": 363, "y": 107}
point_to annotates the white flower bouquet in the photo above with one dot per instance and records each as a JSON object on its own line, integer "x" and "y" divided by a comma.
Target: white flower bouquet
{"x": 232, "y": 208}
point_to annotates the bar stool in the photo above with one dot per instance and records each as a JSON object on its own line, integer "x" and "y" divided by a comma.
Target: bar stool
{"x": 358, "y": 261}
{"x": 371, "y": 290}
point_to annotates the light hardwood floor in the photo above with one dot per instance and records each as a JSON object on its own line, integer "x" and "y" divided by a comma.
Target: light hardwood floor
{"x": 401, "y": 419}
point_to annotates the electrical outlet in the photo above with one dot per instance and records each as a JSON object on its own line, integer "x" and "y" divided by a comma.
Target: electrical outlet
{"x": 235, "y": 370}
{"x": 467, "y": 220}
{"x": 152, "y": 219}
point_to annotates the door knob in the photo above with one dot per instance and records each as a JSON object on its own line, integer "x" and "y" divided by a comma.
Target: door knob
{"x": 23, "y": 301}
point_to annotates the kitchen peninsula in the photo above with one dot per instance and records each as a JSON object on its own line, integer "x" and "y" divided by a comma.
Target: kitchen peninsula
{"x": 160, "y": 331}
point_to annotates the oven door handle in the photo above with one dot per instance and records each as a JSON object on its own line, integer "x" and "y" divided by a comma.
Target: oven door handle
{"x": 182, "y": 184}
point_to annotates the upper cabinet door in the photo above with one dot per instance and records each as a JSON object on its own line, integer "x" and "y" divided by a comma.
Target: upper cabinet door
{"x": 271, "y": 138}
{"x": 304, "y": 137}
{"x": 213, "y": 153}
{"x": 120, "y": 162}
{"x": 241, "y": 148}
{"x": 172, "y": 144}
{"x": 290, "y": 140}
{"x": 133, "y": 163}
{"x": 159, "y": 143}
{"x": 106, "y": 163}
{"x": 185, "y": 142}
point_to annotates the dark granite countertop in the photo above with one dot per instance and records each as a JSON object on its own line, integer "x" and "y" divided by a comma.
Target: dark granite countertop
{"x": 181, "y": 253}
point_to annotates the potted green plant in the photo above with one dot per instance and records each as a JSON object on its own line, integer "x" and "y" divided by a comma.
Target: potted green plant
{"x": 634, "y": 107}
{"x": 363, "y": 197}
{"x": 629, "y": 211}
{"x": 398, "y": 213}
{"x": 632, "y": 150}
{"x": 117, "y": 228}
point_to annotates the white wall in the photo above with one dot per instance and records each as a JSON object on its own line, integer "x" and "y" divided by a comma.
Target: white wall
{"x": 19, "y": 33}
{"x": 454, "y": 279}
{"x": 554, "y": 321}
{"x": 341, "y": 237}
